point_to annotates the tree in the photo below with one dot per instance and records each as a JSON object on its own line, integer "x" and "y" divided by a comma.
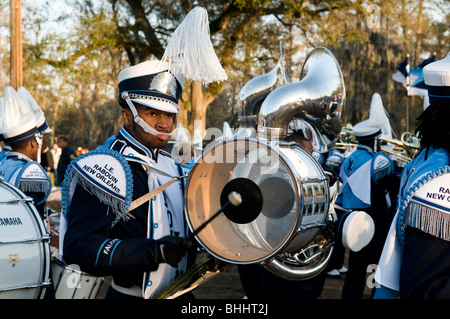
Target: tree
{"x": 233, "y": 25}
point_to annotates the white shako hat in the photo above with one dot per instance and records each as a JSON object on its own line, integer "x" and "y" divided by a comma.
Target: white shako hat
{"x": 365, "y": 131}
{"x": 19, "y": 122}
{"x": 151, "y": 84}
{"x": 377, "y": 124}
{"x": 437, "y": 80}
{"x": 189, "y": 55}
{"x": 41, "y": 122}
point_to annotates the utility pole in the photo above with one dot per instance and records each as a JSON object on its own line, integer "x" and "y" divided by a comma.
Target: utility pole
{"x": 16, "y": 44}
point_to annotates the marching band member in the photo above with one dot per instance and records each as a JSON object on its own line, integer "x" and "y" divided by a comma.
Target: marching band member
{"x": 24, "y": 130}
{"x": 25, "y": 135}
{"x": 415, "y": 260}
{"x": 144, "y": 249}
{"x": 367, "y": 176}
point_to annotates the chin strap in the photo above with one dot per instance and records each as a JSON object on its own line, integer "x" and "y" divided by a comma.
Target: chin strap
{"x": 39, "y": 138}
{"x": 147, "y": 128}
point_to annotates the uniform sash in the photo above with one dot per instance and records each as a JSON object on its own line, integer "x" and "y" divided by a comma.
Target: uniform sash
{"x": 26, "y": 174}
{"x": 423, "y": 192}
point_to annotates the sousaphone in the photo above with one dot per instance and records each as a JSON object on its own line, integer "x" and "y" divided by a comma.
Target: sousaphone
{"x": 255, "y": 91}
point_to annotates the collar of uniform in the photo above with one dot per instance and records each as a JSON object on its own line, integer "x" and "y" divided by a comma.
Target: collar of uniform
{"x": 366, "y": 148}
{"x": 19, "y": 156}
{"x": 136, "y": 145}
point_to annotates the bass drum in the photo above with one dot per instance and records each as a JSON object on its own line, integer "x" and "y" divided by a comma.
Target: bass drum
{"x": 295, "y": 199}
{"x": 24, "y": 246}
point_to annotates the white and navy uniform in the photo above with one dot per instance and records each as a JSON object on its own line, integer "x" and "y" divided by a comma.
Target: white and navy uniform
{"x": 28, "y": 176}
{"x": 367, "y": 177}
{"x": 416, "y": 255}
{"x": 420, "y": 232}
{"x": 101, "y": 236}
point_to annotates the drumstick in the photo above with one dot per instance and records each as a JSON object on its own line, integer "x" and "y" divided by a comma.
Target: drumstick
{"x": 234, "y": 199}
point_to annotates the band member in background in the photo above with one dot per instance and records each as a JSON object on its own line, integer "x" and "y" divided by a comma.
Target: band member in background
{"x": 143, "y": 249}
{"x": 23, "y": 130}
{"x": 415, "y": 261}
{"x": 67, "y": 155}
{"x": 367, "y": 176}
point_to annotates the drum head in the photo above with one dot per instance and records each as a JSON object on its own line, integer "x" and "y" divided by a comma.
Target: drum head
{"x": 279, "y": 216}
{"x": 24, "y": 255}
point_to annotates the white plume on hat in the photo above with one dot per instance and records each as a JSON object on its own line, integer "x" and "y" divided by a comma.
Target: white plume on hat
{"x": 377, "y": 125}
{"x": 379, "y": 117}
{"x": 18, "y": 117}
{"x": 190, "y": 52}
{"x": 26, "y": 97}
{"x": 197, "y": 140}
{"x": 226, "y": 132}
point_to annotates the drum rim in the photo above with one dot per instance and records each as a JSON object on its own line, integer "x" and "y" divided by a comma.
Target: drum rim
{"x": 299, "y": 178}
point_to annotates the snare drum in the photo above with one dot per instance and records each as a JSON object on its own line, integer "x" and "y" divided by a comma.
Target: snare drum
{"x": 72, "y": 283}
{"x": 24, "y": 246}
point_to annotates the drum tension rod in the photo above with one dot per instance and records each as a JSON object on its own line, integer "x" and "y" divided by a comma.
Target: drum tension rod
{"x": 315, "y": 225}
{"x": 16, "y": 201}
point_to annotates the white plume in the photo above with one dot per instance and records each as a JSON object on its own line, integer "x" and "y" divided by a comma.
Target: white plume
{"x": 190, "y": 52}
{"x": 378, "y": 116}
{"x": 226, "y": 132}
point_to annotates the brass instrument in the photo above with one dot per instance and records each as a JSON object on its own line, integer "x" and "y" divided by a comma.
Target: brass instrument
{"x": 344, "y": 146}
{"x": 397, "y": 155}
{"x": 347, "y": 134}
{"x": 255, "y": 91}
{"x": 317, "y": 100}
{"x": 205, "y": 268}
{"x": 411, "y": 142}
{"x": 403, "y": 150}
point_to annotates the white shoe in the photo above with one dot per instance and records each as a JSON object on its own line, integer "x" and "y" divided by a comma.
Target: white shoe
{"x": 334, "y": 273}
{"x": 343, "y": 270}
